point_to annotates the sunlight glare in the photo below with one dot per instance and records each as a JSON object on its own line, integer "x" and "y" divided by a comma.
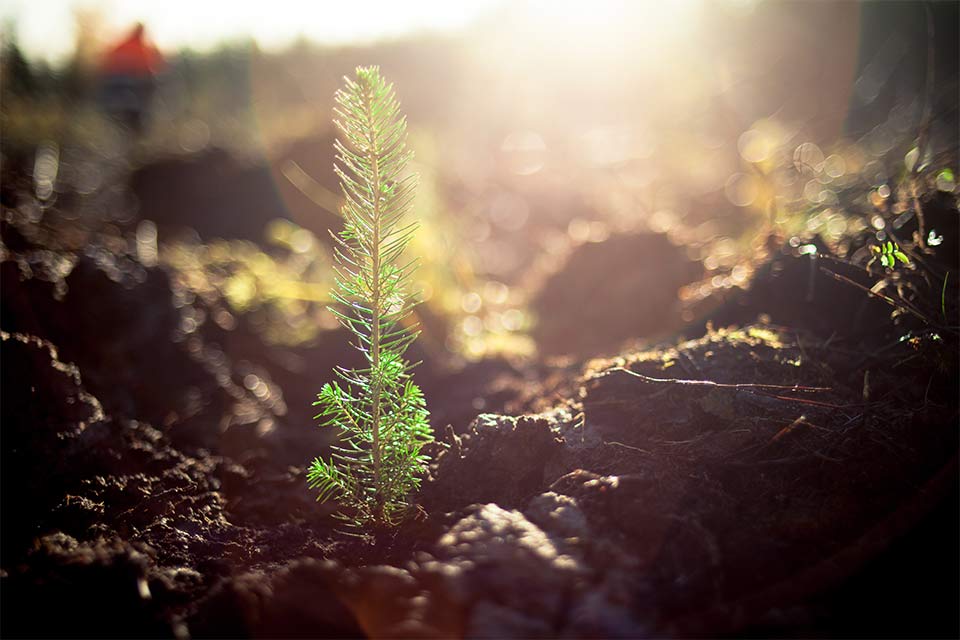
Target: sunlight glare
{"x": 579, "y": 18}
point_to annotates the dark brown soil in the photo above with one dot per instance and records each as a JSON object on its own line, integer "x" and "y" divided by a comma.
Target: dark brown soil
{"x": 610, "y": 292}
{"x": 218, "y": 195}
{"x": 788, "y": 476}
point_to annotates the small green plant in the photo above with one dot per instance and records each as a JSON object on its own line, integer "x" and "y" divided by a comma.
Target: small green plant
{"x": 888, "y": 252}
{"x": 381, "y": 412}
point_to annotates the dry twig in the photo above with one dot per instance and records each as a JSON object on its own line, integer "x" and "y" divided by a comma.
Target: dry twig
{"x": 709, "y": 383}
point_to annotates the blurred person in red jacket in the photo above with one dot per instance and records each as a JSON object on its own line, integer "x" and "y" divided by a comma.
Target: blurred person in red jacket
{"x": 128, "y": 79}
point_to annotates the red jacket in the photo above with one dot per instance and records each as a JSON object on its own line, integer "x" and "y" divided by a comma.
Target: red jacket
{"x": 133, "y": 57}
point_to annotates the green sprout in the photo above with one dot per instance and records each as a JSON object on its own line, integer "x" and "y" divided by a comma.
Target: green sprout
{"x": 382, "y": 414}
{"x": 888, "y": 252}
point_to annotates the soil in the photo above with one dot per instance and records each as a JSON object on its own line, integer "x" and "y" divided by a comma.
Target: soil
{"x": 641, "y": 275}
{"x": 788, "y": 467}
{"x": 216, "y": 194}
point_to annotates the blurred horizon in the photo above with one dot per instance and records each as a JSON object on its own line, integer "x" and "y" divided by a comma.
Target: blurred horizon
{"x": 48, "y": 29}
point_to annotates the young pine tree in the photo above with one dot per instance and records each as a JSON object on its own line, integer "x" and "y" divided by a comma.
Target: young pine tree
{"x": 381, "y": 412}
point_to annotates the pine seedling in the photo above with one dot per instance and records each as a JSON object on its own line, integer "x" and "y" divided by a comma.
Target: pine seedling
{"x": 382, "y": 414}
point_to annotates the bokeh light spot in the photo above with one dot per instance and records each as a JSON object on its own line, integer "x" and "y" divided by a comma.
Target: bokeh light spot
{"x": 741, "y": 189}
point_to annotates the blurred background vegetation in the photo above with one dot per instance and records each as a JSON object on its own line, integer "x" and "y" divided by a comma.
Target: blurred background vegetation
{"x": 677, "y": 138}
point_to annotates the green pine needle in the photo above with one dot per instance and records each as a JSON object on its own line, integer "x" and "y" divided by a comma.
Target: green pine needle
{"x": 381, "y": 413}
